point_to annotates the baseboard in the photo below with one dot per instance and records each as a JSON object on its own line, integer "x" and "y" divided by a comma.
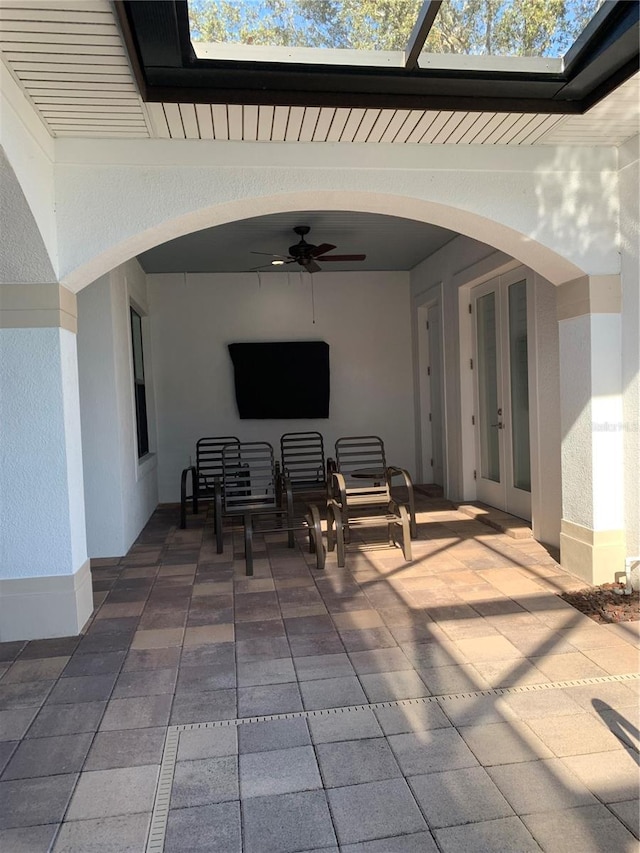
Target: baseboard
{"x": 43, "y": 607}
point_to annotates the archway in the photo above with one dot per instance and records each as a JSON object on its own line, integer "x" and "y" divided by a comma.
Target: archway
{"x": 534, "y": 254}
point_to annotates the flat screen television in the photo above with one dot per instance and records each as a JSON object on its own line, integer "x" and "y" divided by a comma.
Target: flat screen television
{"x": 281, "y": 379}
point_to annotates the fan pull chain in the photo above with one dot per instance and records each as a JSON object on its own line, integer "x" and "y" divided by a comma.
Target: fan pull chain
{"x": 259, "y": 280}
{"x": 313, "y": 303}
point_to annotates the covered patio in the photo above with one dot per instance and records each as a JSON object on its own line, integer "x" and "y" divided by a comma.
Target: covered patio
{"x": 452, "y": 703}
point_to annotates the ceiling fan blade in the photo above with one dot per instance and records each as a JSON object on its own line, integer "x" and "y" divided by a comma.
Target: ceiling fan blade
{"x": 312, "y": 266}
{"x": 343, "y": 258}
{"x": 321, "y": 249}
{"x": 269, "y": 254}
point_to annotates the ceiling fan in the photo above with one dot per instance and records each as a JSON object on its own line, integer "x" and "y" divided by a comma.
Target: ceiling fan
{"x": 306, "y": 254}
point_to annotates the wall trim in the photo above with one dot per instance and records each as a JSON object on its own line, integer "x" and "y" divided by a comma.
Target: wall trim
{"x": 595, "y": 294}
{"x": 47, "y": 606}
{"x": 36, "y": 306}
{"x": 595, "y": 555}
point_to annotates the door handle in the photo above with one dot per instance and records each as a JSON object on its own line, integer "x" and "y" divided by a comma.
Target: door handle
{"x": 499, "y": 425}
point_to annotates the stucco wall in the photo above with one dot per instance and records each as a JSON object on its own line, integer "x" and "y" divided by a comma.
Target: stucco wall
{"x": 364, "y": 317}
{"x": 120, "y": 491}
{"x": 41, "y": 507}
{"x": 30, "y": 152}
{"x": 629, "y": 238}
{"x": 117, "y": 198}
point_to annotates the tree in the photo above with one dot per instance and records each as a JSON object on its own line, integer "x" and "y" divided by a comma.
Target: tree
{"x": 501, "y": 27}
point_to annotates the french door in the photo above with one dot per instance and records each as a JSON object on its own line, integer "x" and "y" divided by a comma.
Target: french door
{"x": 501, "y": 365}
{"x": 436, "y": 413}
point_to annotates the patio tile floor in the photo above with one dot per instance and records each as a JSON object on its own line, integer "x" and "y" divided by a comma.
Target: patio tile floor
{"x": 420, "y": 753}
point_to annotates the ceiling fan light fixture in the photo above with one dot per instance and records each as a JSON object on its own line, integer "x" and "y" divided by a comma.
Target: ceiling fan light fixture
{"x": 305, "y": 254}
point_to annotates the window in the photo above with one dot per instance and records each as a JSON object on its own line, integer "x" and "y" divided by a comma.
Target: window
{"x": 138, "y": 384}
{"x": 551, "y": 56}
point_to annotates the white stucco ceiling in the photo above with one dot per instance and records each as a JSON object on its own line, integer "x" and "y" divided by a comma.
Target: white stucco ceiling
{"x": 390, "y": 243}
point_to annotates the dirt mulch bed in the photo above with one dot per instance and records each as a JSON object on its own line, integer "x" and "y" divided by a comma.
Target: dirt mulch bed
{"x": 602, "y": 604}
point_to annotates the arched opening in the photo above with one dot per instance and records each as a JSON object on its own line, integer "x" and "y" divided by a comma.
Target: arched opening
{"x": 370, "y": 319}
{"x": 531, "y": 252}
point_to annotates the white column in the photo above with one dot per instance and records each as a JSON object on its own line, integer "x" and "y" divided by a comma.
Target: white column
{"x": 592, "y": 538}
{"x": 45, "y": 580}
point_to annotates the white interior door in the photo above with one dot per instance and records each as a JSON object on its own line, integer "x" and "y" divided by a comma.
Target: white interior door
{"x": 503, "y": 453}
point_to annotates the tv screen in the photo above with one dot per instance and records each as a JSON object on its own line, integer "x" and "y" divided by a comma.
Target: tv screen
{"x": 283, "y": 379}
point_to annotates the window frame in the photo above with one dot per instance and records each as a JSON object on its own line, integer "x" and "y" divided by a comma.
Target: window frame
{"x": 139, "y": 386}
{"x": 158, "y": 40}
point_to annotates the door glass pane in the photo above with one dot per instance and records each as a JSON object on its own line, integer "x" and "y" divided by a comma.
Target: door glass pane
{"x": 488, "y": 387}
{"x": 136, "y": 337}
{"x": 435, "y": 349}
{"x": 519, "y": 385}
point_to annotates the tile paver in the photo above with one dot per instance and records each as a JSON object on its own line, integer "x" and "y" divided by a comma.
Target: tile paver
{"x": 504, "y": 743}
{"x": 374, "y": 810}
{"x": 207, "y": 743}
{"x": 205, "y": 829}
{"x": 285, "y": 823}
{"x": 416, "y": 842}
{"x": 205, "y": 780}
{"x": 575, "y": 735}
{"x": 28, "y": 839}
{"x": 612, "y": 776}
{"x": 125, "y": 834}
{"x": 280, "y": 771}
{"x": 589, "y": 829}
{"x": 343, "y": 726}
{"x": 431, "y": 751}
{"x": 182, "y": 637}
{"x": 540, "y": 786}
{"x": 106, "y": 793}
{"x": 271, "y": 735}
{"x": 332, "y": 692}
{"x": 459, "y": 796}
{"x": 30, "y": 802}
{"x": 51, "y": 756}
{"x": 356, "y": 761}
{"x": 506, "y": 835}
{"x": 111, "y": 749}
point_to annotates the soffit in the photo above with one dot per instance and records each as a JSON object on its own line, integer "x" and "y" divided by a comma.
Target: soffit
{"x": 71, "y": 61}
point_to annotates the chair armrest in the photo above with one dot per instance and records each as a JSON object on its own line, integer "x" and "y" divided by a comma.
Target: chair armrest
{"x": 338, "y": 489}
{"x": 392, "y": 471}
{"x": 331, "y": 467}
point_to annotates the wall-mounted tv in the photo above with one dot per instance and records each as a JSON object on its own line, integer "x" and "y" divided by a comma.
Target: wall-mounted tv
{"x": 281, "y": 379}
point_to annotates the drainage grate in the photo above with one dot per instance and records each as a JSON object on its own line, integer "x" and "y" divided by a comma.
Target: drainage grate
{"x": 159, "y": 817}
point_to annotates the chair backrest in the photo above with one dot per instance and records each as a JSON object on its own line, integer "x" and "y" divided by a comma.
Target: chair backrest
{"x": 303, "y": 462}
{"x": 360, "y": 453}
{"x": 248, "y": 476}
{"x": 209, "y": 458}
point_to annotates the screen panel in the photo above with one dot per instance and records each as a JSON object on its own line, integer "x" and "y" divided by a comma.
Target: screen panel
{"x": 281, "y": 379}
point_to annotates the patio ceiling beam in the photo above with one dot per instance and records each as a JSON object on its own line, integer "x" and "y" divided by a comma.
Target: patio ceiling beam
{"x": 420, "y": 32}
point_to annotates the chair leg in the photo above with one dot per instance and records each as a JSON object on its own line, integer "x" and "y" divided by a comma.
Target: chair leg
{"x": 315, "y": 532}
{"x": 331, "y": 539}
{"x": 248, "y": 544}
{"x": 344, "y": 523}
{"x": 340, "y": 539}
{"x": 217, "y": 520}
{"x": 413, "y": 526}
{"x": 406, "y": 535}
{"x": 291, "y": 540}
{"x": 183, "y": 496}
